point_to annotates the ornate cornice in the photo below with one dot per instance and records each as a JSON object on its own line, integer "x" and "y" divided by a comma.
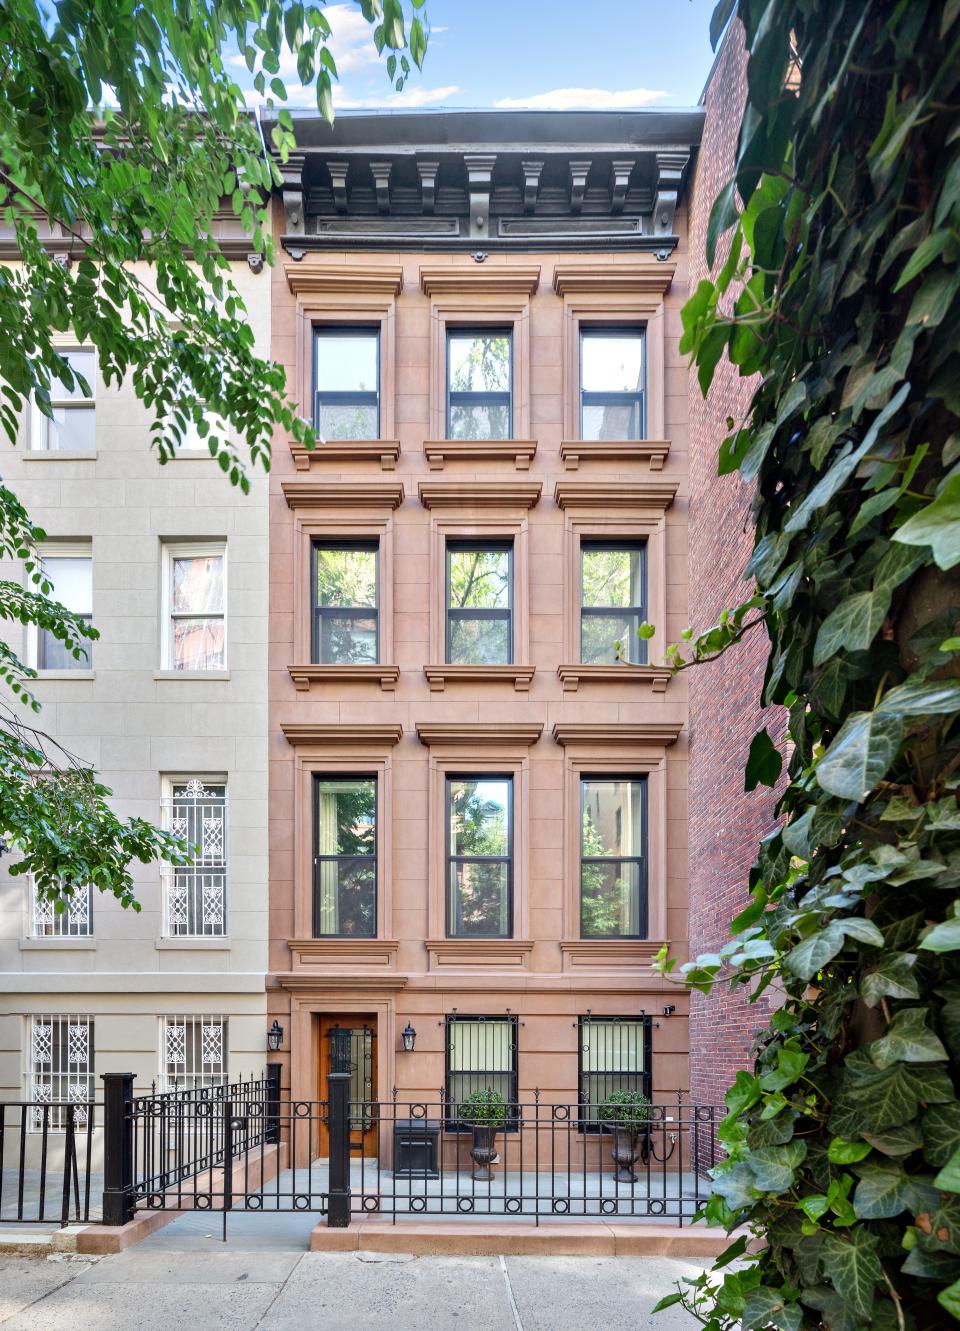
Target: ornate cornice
{"x": 633, "y": 735}
{"x": 307, "y": 675}
{"x": 309, "y": 279}
{"x": 502, "y": 280}
{"x": 343, "y": 494}
{"x": 638, "y": 279}
{"x": 478, "y": 734}
{"x": 384, "y": 451}
{"x": 350, "y": 735}
{"x": 652, "y": 451}
{"x": 611, "y": 494}
{"x": 479, "y": 494}
{"x": 442, "y": 675}
{"x": 518, "y": 451}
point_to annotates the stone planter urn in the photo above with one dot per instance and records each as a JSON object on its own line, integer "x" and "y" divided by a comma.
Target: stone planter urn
{"x": 625, "y": 1115}
{"x": 483, "y": 1152}
{"x": 625, "y": 1154}
{"x": 485, "y": 1111}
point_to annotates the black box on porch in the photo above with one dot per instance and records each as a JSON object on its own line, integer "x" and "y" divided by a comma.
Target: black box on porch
{"x": 416, "y": 1143}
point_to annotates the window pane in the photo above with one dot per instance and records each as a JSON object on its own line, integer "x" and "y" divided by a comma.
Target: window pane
{"x": 612, "y": 362}
{"x": 612, "y": 818}
{"x": 481, "y": 1046}
{"x": 72, "y": 429}
{"x": 348, "y": 640}
{"x": 337, "y": 420}
{"x": 600, "y": 635}
{"x": 479, "y": 362}
{"x": 346, "y": 817}
{"x": 81, "y": 362}
{"x": 72, "y": 578}
{"x": 479, "y": 899}
{"x": 346, "y": 577}
{"x": 347, "y": 362}
{"x": 620, "y": 421}
{"x": 198, "y": 644}
{"x": 480, "y": 817}
{"x": 612, "y": 1046}
{"x": 610, "y": 577}
{"x": 610, "y": 899}
{"x": 480, "y": 641}
{"x": 476, "y": 421}
{"x": 198, "y": 584}
{"x": 479, "y": 579}
{"x": 346, "y": 898}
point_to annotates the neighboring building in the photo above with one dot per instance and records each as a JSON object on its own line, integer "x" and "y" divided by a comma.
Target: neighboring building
{"x": 171, "y": 565}
{"x": 726, "y": 825}
{"x": 478, "y": 817}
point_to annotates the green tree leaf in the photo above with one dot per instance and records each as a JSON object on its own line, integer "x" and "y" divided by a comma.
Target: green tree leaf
{"x": 860, "y": 755}
{"x": 815, "y": 952}
{"x": 937, "y": 525}
{"x": 764, "y": 762}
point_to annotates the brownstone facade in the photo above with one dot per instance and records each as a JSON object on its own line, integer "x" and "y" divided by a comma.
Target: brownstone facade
{"x": 412, "y": 721}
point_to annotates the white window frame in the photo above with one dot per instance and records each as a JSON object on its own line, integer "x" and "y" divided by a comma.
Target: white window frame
{"x": 79, "y": 549}
{"x": 189, "y": 550}
{"x": 40, "y": 424}
{"x": 174, "y": 1054}
{"x": 169, "y": 872}
{"x": 50, "y": 926}
{"x": 46, "y": 1084}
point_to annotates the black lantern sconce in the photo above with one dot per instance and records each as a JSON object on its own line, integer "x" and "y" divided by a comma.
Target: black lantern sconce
{"x": 409, "y": 1038}
{"x": 274, "y": 1036}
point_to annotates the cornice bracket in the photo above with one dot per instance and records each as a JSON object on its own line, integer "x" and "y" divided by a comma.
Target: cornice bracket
{"x": 670, "y": 168}
{"x": 479, "y": 183}
{"x": 291, "y": 175}
{"x": 531, "y": 184}
{"x": 620, "y": 173}
{"x": 381, "y": 181}
{"x": 579, "y": 170}
{"x": 427, "y": 171}
{"x": 338, "y": 183}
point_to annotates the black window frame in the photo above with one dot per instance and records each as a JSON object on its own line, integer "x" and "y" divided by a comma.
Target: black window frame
{"x": 352, "y": 398}
{"x": 597, "y": 399}
{"x": 643, "y": 911}
{"x": 601, "y": 612}
{"x": 590, "y": 1123}
{"x": 512, "y": 1121}
{"x": 318, "y": 612}
{"x": 374, "y": 857}
{"x": 479, "y": 399}
{"x": 449, "y": 859}
{"x": 467, "y": 545}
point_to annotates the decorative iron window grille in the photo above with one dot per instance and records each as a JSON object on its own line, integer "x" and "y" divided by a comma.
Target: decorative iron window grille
{"x": 196, "y": 893}
{"x": 479, "y": 819}
{"x": 344, "y": 857}
{"x": 61, "y": 1070}
{"x": 346, "y": 382}
{"x": 613, "y": 857}
{"x": 615, "y": 1055}
{"x": 193, "y": 1052}
{"x": 479, "y": 383}
{"x": 613, "y": 602}
{"x": 612, "y": 375}
{"x": 76, "y": 921}
{"x": 346, "y": 595}
{"x": 479, "y": 587}
{"x": 481, "y": 1055}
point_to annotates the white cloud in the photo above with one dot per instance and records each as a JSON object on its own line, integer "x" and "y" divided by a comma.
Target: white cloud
{"x": 409, "y": 98}
{"x": 582, "y": 99}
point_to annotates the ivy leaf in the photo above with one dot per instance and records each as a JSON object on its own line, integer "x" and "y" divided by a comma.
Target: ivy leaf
{"x": 736, "y": 1186}
{"x": 940, "y": 1127}
{"x": 852, "y": 1264}
{"x": 764, "y": 762}
{"x": 864, "y": 931}
{"x": 937, "y": 525}
{"x": 790, "y": 1066}
{"x": 844, "y": 1152}
{"x": 853, "y": 624}
{"x": 908, "y": 1040}
{"x": 949, "y": 1299}
{"x": 892, "y": 978}
{"x": 815, "y": 952}
{"x": 899, "y": 1141}
{"x": 948, "y": 1178}
{"x": 860, "y": 755}
{"x": 774, "y": 1167}
{"x": 883, "y": 1191}
{"x": 943, "y": 937}
{"x": 918, "y": 698}
{"x": 768, "y": 1307}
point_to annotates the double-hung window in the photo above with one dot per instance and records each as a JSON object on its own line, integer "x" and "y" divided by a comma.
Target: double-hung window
{"x": 61, "y": 1070}
{"x": 193, "y": 1052}
{"x": 613, "y": 857}
{"x": 196, "y": 892}
{"x": 69, "y": 570}
{"x": 345, "y": 603}
{"x": 479, "y": 628}
{"x": 74, "y": 921}
{"x": 612, "y": 602}
{"x": 72, "y": 424}
{"x": 479, "y": 856}
{"x": 195, "y": 607}
{"x": 346, "y": 382}
{"x": 345, "y": 857}
{"x": 612, "y": 383}
{"x": 614, "y": 1056}
{"x": 479, "y": 383}
{"x": 481, "y": 1056}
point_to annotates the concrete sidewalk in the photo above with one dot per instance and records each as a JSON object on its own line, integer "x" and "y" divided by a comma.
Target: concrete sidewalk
{"x": 154, "y": 1288}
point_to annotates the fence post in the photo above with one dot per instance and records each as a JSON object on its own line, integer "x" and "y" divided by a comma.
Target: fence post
{"x": 117, "y": 1148}
{"x": 272, "y": 1134}
{"x": 338, "y": 1109}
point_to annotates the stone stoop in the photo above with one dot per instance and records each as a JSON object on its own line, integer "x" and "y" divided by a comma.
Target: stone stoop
{"x": 472, "y": 1239}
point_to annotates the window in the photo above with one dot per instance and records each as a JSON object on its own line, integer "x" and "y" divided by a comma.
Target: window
{"x": 479, "y": 603}
{"x": 194, "y": 1052}
{"x": 74, "y": 922}
{"x": 481, "y": 1056}
{"x": 196, "y": 893}
{"x": 345, "y": 857}
{"x": 613, "y": 866}
{"x": 479, "y": 856}
{"x": 612, "y": 602}
{"x": 611, "y": 383}
{"x": 71, "y": 426}
{"x": 614, "y": 1056}
{"x": 69, "y": 570}
{"x": 345, "y": 603}
{"x": 346, "y": 383}
{"x": 61, "y": 1069}
{"x": 479, "y": 383}
{"x": 195, "y": 588}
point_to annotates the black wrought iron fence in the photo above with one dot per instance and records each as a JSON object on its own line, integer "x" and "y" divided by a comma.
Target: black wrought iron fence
{"x": 46, "y": 1154}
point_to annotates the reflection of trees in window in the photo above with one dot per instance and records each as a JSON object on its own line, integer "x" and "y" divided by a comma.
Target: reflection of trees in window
{"x": 345, "y": 613}
{"x": 479, "y": 378}
{"x": 479, "y": 856}
{"x": 345, "y": 862}
{"x": 613, "y": 885}
{"x": 479, "y": 594}
{"x": 612, "y": 601}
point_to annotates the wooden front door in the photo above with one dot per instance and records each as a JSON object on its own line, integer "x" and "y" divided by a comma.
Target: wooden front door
{"x": 363, "y": 1080}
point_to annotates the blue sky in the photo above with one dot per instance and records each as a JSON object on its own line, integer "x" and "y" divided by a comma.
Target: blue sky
{"x": 550, "y": 53}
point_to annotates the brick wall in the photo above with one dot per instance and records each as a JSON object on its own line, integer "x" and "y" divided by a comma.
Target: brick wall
{"x": 725, "y": 823}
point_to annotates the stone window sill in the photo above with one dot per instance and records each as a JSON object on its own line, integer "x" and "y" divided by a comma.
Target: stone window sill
{"x": 58, "y": 944}
{"x": 66, "y": 674}
{"x": 220, "y": 944}
{"x": 307, "y": 676}
{"x": 344, "y": 953}
{"x": 467, "y": 953}
{"x": 652, "y": 451}
{"x": 607, "y": 953}
{"x": 656, "y": 677}
{"x": 384, "y": 451}
{"x": 520, "y": 452}
{"x": 192, "y": 674}
{"x": 440, "y": 676}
